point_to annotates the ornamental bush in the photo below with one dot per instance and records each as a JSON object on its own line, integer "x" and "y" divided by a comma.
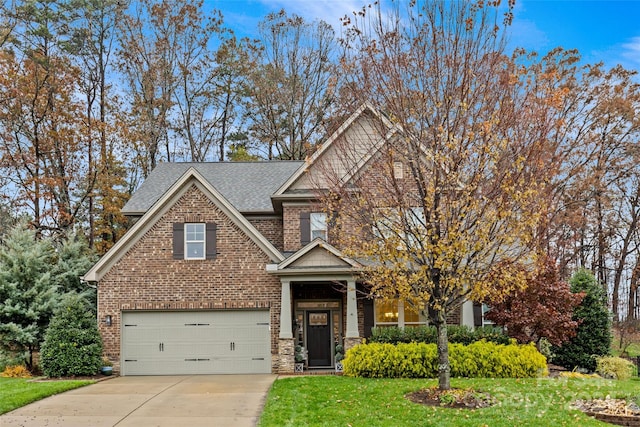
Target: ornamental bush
{"x": 72, "y": 344}
{"x": 480, "y": 359}
{"x": 614, "y": 367}
{"x": 428, "y": 334}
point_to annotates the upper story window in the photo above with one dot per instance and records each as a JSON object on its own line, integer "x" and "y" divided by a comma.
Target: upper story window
{"x": 312, "y": 226}
{"x": 407, "y": 226}
{"x": 398, "y": 170}
{"x": 194, "y": 241}
{"x": 318, "y": 224}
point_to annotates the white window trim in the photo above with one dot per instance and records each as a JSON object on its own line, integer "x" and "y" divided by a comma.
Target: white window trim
{"x": 203, "y": 241}
{"x": 320, "y": 217}
{"x": 485, "y": 322}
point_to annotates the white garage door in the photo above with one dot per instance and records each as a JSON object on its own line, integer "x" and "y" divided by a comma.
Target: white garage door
{"x": 195, "y": 342}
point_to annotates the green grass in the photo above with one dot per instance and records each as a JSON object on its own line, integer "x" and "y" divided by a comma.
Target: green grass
{"x": 344, "y": 401}
{"x": 17, "y": 392}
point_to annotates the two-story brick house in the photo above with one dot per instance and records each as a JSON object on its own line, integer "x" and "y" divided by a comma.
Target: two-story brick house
{"x": 227, "y": 267}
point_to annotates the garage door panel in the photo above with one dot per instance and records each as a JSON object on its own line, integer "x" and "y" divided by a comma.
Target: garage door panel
{"x": 156, "y": 343}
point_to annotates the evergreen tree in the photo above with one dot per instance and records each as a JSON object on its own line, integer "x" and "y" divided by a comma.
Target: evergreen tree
{"x": 74, "y": 258}
{"x": 593, "y": 337}
{"x": 72, "y": 344}
{"x": 28, "y": 293}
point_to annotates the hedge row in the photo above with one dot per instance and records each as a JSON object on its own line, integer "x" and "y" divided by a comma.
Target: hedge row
{"x": 481, "y": 359}
{"x": 429, "y": 335}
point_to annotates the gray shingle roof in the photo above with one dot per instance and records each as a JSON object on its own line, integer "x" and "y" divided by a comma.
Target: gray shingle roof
{"x": 247, "y": 185}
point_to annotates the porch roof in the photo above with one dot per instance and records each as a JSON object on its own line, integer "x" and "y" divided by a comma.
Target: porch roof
{"x": 316, "y": 258}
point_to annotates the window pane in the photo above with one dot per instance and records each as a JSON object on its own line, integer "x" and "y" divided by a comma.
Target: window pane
{"x": 194, "y": 232}
{"x": 318, "y": 225}
{"x": 386, "y": 311}
{"x": 195, "y": 249}
{"x": 410, "y": 315}
{"x": 318, "y": 233}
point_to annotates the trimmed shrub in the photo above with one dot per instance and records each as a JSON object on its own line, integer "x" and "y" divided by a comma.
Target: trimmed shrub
{"x": 593, "y": 336}
{"x": 429, "y": 335}
{"x": 614, "y": 367}
{"x": 480, "y": 359}
{"x": 72, "y": 344}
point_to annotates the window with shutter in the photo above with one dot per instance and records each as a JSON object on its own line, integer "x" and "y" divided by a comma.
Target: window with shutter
{"x": 318, "y": 225}
{"x": 194, "y": 241}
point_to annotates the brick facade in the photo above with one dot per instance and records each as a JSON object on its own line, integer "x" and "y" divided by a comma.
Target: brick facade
{"x": 291, "y": 224}
{"x": 148, "y": 278}
{"x": 271, "y": 228}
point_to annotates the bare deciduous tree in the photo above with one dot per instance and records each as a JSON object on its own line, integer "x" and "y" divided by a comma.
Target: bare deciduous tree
{"x": 449, "y": 206}
{"x": 293, "y": 87}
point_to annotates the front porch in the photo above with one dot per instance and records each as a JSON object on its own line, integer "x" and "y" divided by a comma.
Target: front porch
{"x": 319, "y": 306}
{"x": 324, "y": 318}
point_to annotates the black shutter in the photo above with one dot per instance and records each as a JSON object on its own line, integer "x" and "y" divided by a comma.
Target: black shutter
{"x": 210, "y": 243}
{"x": 178, "y": 240}
{"x": 477, "y": 315}
{"x": 367, "y": 308}
{"x": 305, "y": 228}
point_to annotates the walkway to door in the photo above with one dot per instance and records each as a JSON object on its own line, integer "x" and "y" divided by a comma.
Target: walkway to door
{"x": 194, "y": 401}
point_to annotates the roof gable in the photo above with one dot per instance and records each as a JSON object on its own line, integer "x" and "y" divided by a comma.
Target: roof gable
{"x": 162, "y": 205}
{"x": 367, "y": 140}
{"x": 318, "y": 254}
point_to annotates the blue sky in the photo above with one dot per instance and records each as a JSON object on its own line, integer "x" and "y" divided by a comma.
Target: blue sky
{"x": 602, "y": 30}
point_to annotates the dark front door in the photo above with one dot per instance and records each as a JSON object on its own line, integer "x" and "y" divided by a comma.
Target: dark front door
{"x": 319, "y": 338}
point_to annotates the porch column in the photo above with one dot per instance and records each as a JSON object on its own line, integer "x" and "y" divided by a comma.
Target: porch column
{"x": 467, "y": 314}
{"x": 285, "y": 339}
{"x": 285, "y": 310}
{"x": 352, "y": 311}
{"x": 353, "y": 336}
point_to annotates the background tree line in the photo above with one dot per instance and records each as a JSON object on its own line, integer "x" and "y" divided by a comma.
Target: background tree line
{"x": 94, "y": 93}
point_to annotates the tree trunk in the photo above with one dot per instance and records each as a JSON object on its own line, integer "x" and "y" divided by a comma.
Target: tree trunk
{"x": 444, "y": 369}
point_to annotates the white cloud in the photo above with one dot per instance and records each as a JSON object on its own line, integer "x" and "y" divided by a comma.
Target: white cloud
{"x": 329, "y": 11}
{"x": 631, "y": 51}
{"x": 524, "y": 33}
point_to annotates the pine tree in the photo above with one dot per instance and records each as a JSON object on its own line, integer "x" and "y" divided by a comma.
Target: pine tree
{"x": 28, "y": 293}
{"x": 74, "y": 258}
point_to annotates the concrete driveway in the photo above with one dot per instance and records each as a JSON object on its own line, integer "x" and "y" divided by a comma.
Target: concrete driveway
{"x": 192, "y": 401}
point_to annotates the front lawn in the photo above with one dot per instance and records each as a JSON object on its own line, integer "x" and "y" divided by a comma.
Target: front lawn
{"x": 344, "y": 401}
{"x": 17, "y": 392}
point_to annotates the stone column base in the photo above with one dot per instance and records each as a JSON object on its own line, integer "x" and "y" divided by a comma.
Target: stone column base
{"x": 286, "y": 351}
{"x": 351, "y": 342}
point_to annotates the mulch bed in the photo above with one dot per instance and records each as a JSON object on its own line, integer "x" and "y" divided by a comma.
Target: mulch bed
{"x": 98, "y": 377}
{"x": 454, "y": 398}
{"x": 612, "y": 411}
